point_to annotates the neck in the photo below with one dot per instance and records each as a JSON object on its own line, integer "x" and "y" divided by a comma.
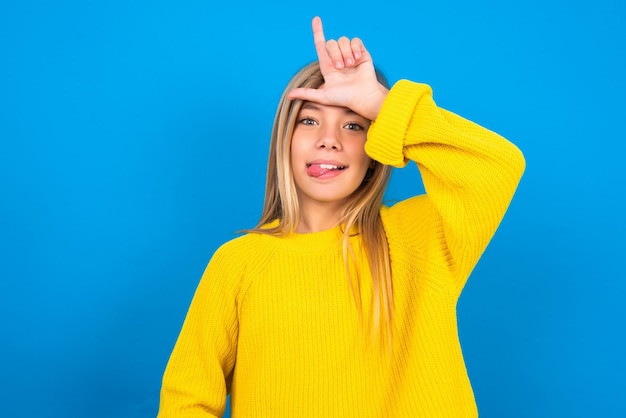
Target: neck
{"x": 319, "y": 217}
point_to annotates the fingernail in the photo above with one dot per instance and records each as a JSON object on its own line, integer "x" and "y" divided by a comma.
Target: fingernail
{"x": 338, "y": 65}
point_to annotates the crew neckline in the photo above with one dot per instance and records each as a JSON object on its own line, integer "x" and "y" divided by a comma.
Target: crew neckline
{"x": 307, "y": 241}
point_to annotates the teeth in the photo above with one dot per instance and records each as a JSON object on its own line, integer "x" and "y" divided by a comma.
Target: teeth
{"x": 331, "y": 167}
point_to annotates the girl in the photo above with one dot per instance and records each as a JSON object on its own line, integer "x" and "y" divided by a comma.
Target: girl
{"x": 336, "y": 305}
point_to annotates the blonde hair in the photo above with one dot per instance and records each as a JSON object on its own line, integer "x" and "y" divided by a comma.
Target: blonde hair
{"x": 362, "y": 213}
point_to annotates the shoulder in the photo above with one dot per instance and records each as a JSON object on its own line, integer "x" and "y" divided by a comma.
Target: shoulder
{"x": 233, "y": 264}
{"x": 237, "y": 250}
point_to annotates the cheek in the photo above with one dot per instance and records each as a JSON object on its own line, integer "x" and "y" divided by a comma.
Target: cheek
{"x": 296, "y": 159}
{"x": 296, "y": 148}
{"x": 358, "y": 154}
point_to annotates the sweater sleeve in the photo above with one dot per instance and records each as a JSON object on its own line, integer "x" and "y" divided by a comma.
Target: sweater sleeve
{"x": 198, "y": 374}
{"x": 470, "y": 173}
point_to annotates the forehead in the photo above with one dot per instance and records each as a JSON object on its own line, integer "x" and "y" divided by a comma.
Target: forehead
{"x": 318, "y": 107}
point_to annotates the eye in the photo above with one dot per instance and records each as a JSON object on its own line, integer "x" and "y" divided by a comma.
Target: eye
{"x": 354, "y": 126}
{"x": 307, "y": 121}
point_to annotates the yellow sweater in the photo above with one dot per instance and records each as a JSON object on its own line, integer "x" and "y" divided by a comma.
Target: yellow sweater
{"x": 274, "y": 323}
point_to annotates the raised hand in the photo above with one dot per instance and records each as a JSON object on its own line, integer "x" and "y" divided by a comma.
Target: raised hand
{"x": 349, "y": 75}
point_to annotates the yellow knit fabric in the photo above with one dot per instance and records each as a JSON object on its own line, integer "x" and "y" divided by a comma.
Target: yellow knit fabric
{"x": 274, "y": 322}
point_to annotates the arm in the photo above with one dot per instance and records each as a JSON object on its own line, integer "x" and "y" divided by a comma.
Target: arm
{"x": 470, "y": 173}
{"x": 197, "y": 376}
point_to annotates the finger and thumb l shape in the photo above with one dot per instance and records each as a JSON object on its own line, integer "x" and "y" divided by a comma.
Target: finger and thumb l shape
{"x": 326, "y": 61}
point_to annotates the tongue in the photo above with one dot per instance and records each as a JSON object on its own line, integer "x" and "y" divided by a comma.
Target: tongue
{"x": 316, "y": 171}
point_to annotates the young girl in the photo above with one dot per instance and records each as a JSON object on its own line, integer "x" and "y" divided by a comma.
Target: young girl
{"x": 336, "y": 305}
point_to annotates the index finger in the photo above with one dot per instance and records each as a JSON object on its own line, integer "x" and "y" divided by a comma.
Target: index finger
{"x": 320, "y": 44}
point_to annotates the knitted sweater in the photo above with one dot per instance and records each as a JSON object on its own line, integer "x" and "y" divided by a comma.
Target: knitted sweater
{"x": 274, "y": 323}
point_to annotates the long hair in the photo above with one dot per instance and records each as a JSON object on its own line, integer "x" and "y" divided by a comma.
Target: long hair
{"x": 361, "y": 215}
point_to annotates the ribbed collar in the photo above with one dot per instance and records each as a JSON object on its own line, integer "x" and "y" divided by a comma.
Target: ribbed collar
{"x": 306, "y": 242}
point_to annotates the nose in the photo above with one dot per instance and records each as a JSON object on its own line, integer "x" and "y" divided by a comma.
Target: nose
{"x": 328, "y": 138}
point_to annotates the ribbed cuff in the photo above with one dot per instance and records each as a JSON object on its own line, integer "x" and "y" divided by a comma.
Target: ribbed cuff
{"x": 385, "y": 138}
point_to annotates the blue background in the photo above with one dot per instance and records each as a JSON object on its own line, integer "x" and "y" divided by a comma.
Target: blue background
{"x": 133, "y": 141}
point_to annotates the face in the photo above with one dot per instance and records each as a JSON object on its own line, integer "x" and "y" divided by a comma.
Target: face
{"x": 327, "y": 154}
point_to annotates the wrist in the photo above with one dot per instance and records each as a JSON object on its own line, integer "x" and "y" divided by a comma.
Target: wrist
{"x": 374, "y": 102}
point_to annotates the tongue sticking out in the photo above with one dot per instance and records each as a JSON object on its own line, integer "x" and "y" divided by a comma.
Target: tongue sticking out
{"x": 319, "y": 170}
{"x": 316, "y": 170}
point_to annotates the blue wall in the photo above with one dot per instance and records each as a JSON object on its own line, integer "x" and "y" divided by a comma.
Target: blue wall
{"x": 133, "y": 138}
